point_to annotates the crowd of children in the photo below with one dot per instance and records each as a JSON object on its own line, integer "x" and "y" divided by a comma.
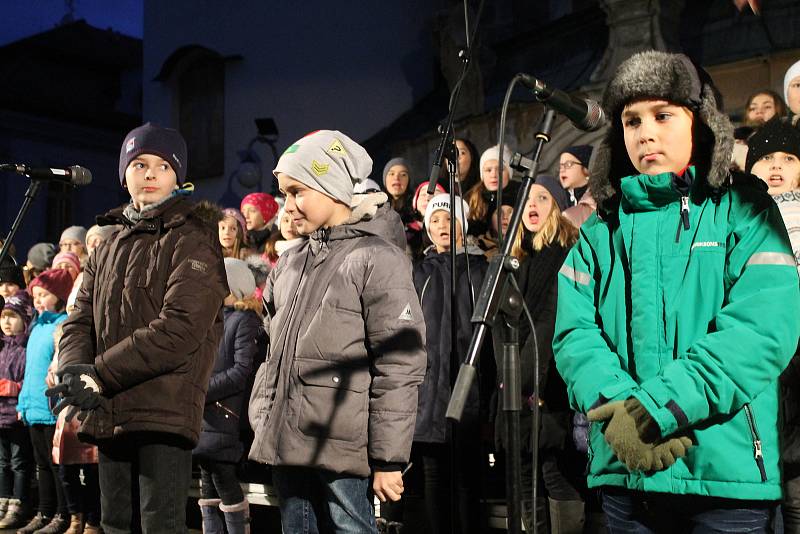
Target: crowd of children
{"x": 294, "y": 329}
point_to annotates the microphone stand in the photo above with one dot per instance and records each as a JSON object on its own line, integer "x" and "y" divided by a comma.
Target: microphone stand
{"x": 447, "y": 148}
{"x": 499, "y": 307}
{"x": 30, "y": 194}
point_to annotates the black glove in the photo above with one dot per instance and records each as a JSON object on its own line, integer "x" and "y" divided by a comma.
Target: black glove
{"x": 80, "y": 388}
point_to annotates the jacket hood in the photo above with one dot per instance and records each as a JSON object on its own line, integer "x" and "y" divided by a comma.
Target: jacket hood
{"x": 372, "y": 214}
{"x": 671, "y": 77}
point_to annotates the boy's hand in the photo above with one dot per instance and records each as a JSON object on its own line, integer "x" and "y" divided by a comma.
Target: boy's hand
{"x": 80, "y": 388}
{"x": 626, "y": 423}
{"x": 387, "y": 485}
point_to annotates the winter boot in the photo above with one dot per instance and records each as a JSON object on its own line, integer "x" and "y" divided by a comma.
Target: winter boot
{"x": 237, "y": 517}
{"x": 212, "y": 521}
{"x": 16, "y": 515}
{"x": 566, "y": 517}
{"x": 38, "y": 521}
{"x": 58, "y": 525}
{"x": 3, "y": 506}
{"x": 92, "y": 529}
{"x": 75, "y": 524}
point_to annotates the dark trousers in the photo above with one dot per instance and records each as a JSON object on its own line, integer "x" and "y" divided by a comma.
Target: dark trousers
{"x": 82, "y": 498}
{"x": 16, "y": 463}
{"x": 452, "y": 485}
{"x": 632, "y": 512}
{"x": 220, "y": 481}
{"x": 51, "y": 493}
{"x": 791, "y": 498}
{"x": 154, "y": 467}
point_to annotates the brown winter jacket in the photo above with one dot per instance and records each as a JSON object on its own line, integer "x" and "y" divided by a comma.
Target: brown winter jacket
{"x": 347, "y": 353}
{"x": 148, "y": 316}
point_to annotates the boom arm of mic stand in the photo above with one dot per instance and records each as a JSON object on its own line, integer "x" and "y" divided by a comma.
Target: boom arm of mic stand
{"x": 492, "y": 289}
{"x": 30, "y": 194}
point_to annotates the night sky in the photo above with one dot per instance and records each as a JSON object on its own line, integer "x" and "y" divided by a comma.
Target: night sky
{"x": 22, "y": 18}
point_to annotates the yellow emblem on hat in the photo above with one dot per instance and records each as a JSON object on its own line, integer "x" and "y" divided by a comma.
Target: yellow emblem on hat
{"x": 319, "y": 168}
{"x": 337, "y": 148}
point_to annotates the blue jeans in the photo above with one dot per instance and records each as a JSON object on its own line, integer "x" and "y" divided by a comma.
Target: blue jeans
{"x": 314, "y": 501}
{"x": 632, "y": 512}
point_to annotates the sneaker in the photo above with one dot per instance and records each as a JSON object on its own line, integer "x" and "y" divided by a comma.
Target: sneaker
{"x": 17, "y": 515}
{"x": 38, "y": 521}
{"x": 58, "y": 525}
{"x": 3, "y": 506}
{"x": 75, "y": 524}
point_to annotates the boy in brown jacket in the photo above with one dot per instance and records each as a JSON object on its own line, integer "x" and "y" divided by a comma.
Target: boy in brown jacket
{"x": 138, "y": 350}
{"x": 336, "y": 401}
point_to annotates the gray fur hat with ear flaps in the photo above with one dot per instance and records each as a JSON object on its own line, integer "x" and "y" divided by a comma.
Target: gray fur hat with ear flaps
{"x": 662, "y": 76}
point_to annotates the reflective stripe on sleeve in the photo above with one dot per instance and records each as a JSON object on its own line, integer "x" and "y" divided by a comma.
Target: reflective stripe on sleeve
{"x": 575, "y": 276}
{"x": 772, "y": 258}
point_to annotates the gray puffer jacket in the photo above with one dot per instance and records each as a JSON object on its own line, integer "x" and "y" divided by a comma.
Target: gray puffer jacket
{"x": 347, "y": 353}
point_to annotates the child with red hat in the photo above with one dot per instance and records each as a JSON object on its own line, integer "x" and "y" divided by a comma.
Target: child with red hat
{"x": 50, "y": 291}
{"x": 259, "y": 210}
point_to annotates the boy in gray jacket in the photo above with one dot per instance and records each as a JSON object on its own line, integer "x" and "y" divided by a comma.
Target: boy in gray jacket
{"x": 335, "y": 403}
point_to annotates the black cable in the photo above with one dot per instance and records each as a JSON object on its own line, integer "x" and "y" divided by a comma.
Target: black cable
{"x": 535, "y": 408}
{"x": 500, "y": 143}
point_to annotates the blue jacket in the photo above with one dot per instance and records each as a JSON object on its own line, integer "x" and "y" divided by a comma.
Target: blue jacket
{"x": 432, "y": 282}
{"x": 32, "y": 404}
{"x": 230, "y": 384}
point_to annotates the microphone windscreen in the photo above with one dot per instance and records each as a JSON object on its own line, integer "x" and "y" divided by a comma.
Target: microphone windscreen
{"x": 595, "y": 118}
{"x": 80, "y": 175}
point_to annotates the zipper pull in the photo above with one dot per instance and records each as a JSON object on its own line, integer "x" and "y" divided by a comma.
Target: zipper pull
{"x": 757, "y": 453}
{"x": 683, "y": 224}
{"x": 685, "y": 212}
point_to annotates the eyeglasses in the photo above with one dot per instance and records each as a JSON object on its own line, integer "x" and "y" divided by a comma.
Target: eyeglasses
{"x": 568, "y": 165}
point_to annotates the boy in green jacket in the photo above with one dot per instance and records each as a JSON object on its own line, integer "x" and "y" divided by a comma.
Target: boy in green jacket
{"x": 659, "y": 334}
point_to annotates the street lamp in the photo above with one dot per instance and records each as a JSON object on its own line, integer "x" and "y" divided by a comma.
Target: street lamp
{"x": 249, "y": 170}
{"x": 249, "y": 173}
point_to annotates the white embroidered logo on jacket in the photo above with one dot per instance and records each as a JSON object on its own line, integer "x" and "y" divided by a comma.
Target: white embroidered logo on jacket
{"x": 406, "y": 315}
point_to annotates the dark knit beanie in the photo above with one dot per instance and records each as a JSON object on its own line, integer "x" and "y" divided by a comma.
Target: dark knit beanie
{"x": 21, "y": 304}
{"x": 10, "y": 272}
{"x": 582, "y": 153}
{"x": 57, "y": 281}
{"x": 150, "y": 138}
{"x": 775, "y": 136}
{"x": 553, "y": 187}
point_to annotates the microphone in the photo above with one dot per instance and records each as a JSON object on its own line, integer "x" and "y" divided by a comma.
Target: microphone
{"x": 584, "y": 114}
{"x": 75, "y": 175}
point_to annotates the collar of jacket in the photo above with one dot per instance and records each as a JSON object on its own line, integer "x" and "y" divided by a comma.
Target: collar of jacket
{"x": 47, "y": 317}
{"x": 171, "y": 213}
{"x": 18, "y": 340}
{"x": 644, "y": 192}
{"x": 259, "y": 237}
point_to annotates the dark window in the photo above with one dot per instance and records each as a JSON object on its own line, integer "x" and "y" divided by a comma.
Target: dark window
{"x": 59, "y": 208}
{"x": 201, "y": 114}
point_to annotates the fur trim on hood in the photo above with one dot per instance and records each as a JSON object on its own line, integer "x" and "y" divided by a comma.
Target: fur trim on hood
{"x": 658, "y": 75}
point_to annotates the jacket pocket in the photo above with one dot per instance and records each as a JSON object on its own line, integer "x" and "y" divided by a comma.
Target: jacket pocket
{"x": 333, "y": 400}
{"x": 758, "y": 454}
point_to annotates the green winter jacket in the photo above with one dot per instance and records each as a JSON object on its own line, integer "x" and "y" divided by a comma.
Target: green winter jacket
{"x": 694, "y": 314}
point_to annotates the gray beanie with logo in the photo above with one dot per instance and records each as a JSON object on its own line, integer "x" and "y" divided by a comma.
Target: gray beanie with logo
{"x": 327, "y": 161}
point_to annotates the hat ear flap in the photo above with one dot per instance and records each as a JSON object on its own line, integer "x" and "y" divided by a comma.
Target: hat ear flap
{"x": 722, "y": 143}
